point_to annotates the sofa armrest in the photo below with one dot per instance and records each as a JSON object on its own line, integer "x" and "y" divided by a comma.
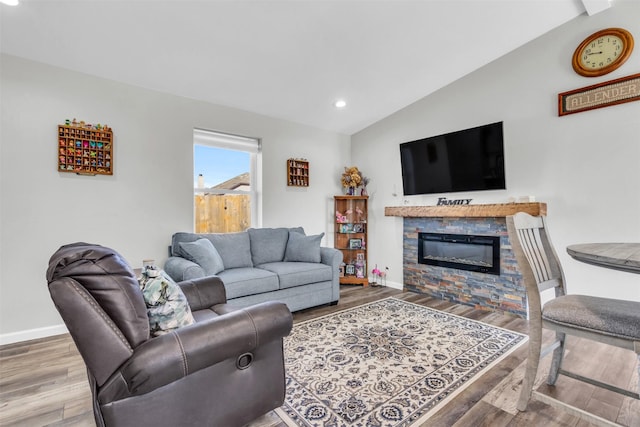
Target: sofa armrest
{"x": 204, "y": 293}
{"x": 331, "y": 257}
{"x": 167, "y": 358}
{"x": 182, "y": 269}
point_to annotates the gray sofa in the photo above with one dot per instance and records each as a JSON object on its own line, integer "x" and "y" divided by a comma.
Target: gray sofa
{"x": 260, "y": 264}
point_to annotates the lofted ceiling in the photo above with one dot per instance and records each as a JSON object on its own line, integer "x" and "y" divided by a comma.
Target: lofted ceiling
{"x": 285, "y": 59}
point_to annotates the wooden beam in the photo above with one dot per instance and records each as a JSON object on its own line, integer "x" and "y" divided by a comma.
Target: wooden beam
{"x": 467, "y": 211}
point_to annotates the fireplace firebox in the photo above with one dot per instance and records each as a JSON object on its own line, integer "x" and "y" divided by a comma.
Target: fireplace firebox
{"x": 461, "y": 251}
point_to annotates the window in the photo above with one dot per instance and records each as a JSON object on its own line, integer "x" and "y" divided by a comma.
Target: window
{"x": 226, "y": 185}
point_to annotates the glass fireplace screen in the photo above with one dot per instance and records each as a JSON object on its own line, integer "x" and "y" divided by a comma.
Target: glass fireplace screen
{"x": 461, "y": 251}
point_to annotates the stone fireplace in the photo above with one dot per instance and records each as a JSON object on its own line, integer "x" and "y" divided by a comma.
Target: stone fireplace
{"x": 498, "y": 290}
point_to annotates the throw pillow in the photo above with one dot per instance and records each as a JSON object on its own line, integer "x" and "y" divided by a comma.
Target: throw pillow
{"x": 301, "y": 248}
{"x": 234, "y": 248}
{"x": 167, "y": 307}
{"x": 203, "y": 253}
{"x": 267, "y": 244}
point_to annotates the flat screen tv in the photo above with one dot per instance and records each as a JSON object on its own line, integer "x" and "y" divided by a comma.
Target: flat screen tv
{"x": 466, "y": 160}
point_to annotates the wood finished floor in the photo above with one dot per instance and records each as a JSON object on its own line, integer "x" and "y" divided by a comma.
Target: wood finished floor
{"x": 43, "y": 382}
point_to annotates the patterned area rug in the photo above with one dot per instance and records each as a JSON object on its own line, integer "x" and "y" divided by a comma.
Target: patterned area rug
{"x": 387, "y": 363}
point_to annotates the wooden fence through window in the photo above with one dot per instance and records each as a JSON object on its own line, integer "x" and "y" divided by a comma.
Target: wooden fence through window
{"x": 222, "y": 213}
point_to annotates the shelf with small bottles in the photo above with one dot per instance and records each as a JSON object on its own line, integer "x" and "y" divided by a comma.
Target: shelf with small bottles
{"x": 297, "y": 172}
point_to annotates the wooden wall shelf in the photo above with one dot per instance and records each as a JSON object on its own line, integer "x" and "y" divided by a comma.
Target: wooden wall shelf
{"x": 85, "y": 150}
{"x": 467, "y": 211}
{"x": 297, "y": 173}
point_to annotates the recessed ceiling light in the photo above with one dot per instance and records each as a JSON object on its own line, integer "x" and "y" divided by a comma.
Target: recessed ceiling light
{"x": 10, "y": 2}
{"x": 340, "y": 103}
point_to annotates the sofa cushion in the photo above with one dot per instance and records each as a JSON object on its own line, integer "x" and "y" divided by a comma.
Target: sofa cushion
{"x": 167, "y": 306}
{"x": 291, "y": 274}
{"x": 301, "y": 248}
{"x": 267, "y": 244}
{"x": 239, "y": 282}
{"x": 203, "y": 253}
{"x": 234, "y": 248}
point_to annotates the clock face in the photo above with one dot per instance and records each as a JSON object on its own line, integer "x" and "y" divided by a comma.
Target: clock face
{"x": 602, "y": 52}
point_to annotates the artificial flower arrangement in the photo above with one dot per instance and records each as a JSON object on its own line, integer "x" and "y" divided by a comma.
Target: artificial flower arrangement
{"x": 352, "y": 178}
{"x": 379, "y": 276}
{"x": 365, "y": 182}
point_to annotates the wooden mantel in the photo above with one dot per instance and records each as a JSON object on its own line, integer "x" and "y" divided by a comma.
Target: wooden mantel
{"x": 467, "y": 211}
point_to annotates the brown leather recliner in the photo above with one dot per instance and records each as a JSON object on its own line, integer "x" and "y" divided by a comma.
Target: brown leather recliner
{"x": 224, "y": 370}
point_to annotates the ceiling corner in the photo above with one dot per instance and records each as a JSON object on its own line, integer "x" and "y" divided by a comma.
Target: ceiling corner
{"x": 594, "y": 6}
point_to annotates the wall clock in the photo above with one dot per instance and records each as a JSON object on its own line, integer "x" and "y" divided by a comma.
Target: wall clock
{"x": 602, "y": 52}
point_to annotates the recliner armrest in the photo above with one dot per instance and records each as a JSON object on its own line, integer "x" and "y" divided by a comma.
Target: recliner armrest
{"x": 167, "y": 358}
{"x": 204, "y": 293}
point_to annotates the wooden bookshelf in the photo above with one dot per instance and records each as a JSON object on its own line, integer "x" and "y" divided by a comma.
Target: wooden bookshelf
{"x": 350, "y": 231}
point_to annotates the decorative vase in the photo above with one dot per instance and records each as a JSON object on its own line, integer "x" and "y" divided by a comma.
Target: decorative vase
{"x": 363, "y": 192}
{"x": 350, "y": 191}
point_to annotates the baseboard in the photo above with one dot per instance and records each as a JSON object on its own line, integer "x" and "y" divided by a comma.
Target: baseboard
{"x": 394, "y": 285}
{"x": 32, "y": 334}
{"x": 49, "y": 331}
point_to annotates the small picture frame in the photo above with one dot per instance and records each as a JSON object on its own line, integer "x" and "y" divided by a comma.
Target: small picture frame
{"x": 360, "y": 257}
{"x": 341, "y": 271}
{"x": 355, "y": 243}
{"x": 350, "y": 269}
{"x": 346, "y": 228}
{"x": 358, "y": 228}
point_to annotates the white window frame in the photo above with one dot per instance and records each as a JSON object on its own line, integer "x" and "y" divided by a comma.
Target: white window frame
{"x": 239, "y": 143}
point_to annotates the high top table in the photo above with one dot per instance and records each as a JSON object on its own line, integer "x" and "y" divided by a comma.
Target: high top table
{"x": 618, "y": 256}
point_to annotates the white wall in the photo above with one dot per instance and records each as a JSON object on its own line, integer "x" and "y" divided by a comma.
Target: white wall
{"x": 586, "y": 166}
{"x": 149, "y": 196}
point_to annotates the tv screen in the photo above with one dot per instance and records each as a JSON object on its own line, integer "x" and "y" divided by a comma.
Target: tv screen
{"x": 466, "y": 160}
